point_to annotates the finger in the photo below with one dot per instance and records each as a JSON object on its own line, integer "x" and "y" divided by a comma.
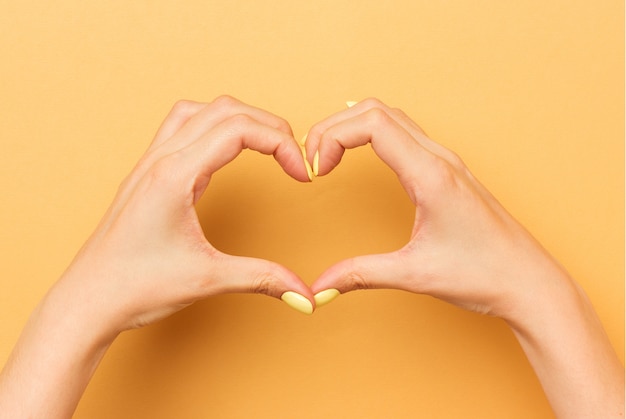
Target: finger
{"x": 190, "y": 169}
{"x": 418, "y": 134}
{"x": 413, "y": 164}
{"x": 354, "y": 109}
{"x": 238, "y": 274}
{"x": 179, "y": 115}
{"x": 213, "y": 114}
{"x": 187, "y": 122}
{"x": 381, "y": 271}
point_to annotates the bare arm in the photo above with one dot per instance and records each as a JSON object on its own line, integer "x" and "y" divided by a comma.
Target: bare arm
{"x": 148, "y": 258}
{"x": 465, "y": 248}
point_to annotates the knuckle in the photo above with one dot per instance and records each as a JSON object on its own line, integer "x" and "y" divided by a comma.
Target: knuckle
{"x": 238, "y": 120}
{"x": 356, "y": 281}
{"x": 283, "y": 125}
{"x": 355, "y": 278}
{"x": 265, "y": 282}
{"x": 225, "y": 101}
{"x": 163, "y": 171}
{"x": 455, "y": 160}
{"x": 377, "y": 117}
{"x": 444, "y": 174}
{"x": 184, "y": 108}
{"x": 372, "y": 102}
{"x": 399, "y": 112}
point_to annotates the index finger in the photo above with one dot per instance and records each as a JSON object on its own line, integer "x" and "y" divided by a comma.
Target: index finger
{"x": 189, "y": 120}
{"x": 192, "y": 167}
{"x": 389, "y": 139}
{"x": 398, "y": 116}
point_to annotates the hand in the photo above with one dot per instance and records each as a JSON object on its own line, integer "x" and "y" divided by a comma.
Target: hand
{"x": 466, "y": 249}
{"x": 148, "y": 257}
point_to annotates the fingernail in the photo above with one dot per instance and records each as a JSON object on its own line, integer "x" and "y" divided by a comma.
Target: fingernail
{"x": 303, "y": 140}
{"x": 297, "y": 302}
{"x": 351, "y": 103}
{"x": 325, "y": 297}
{"x": 309, "y": 170}
{"x": 316, "y": 163}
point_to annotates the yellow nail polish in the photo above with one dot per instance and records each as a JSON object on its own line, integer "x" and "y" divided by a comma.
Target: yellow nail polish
{"x": 297, "y": 302}
{"x": 351, "y": 103}
{"x": 307, "y": 165}
{"x": 303, "y": 140}
{"x": 316, "y": 163}
{"x": 325, "y": 297}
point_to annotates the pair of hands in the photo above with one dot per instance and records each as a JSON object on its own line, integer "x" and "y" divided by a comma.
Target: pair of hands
{"x": 149, "y": 257}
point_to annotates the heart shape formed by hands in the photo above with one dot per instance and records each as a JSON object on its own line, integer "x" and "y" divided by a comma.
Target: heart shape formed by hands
{"x": 460, "y": 230}
{"x": 223, "y": 237}
{"x": 456, "y": 218}
{"x": 253, "y": 200}
{"x": 307, "y": 227}
{"x": 311, "y": 146}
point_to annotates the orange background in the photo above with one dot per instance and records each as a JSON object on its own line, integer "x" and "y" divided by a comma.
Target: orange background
{"x": 530, "y": 93}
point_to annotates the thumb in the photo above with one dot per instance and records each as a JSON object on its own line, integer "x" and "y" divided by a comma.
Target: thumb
{"x": 239, "y": 274}
{"x": 387, "y": 270}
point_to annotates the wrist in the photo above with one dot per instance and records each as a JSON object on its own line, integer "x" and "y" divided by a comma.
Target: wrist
{"x": 54, "y": 358}
{"x": 78, "y": 319}
{"x": 538, "y": 297}
{"x": 564, "y": 341}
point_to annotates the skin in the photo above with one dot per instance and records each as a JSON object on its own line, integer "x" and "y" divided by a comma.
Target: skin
{"x": 148, "y": 258}
{"x": 466, "y": 249}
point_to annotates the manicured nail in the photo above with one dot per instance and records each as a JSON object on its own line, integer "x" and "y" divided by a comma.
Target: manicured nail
{"x": 325, "y": 297}
{"x": 351, "y": 103}
{"x": 316, "y": 163}
{"x": 297, "y": 302}
{"x": 303, "y": 140}
{"x": 309, "y": 170}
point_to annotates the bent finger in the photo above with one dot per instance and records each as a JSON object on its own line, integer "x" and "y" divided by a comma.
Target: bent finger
{"x": 315, "y": 135}
{"x": 216, "y": 112}
{"x": 354, "y": 109}
{"x": 197, "y": 162}
{"x": 412, "y": 163}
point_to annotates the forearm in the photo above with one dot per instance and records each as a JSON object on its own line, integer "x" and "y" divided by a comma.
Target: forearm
{"x": 53, "y": 361}
{"x": 565, "y": 343}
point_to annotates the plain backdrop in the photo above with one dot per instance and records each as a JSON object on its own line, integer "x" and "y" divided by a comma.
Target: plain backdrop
{"x": 530, "y": 93}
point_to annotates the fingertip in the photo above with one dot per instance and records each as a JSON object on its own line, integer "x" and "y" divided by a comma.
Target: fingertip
{"x": 290, "y": 156}
{"x": 324, "y": 297}
{"x": 308, "y": 143}
{"x": 290, "y": 288}
{"x": 307, "y": 165}
{"x": 334, "y": 278}
{"x": 316, "y": 163}
{"x": 298, "y": 302}
{"x": 329, "y": 155}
